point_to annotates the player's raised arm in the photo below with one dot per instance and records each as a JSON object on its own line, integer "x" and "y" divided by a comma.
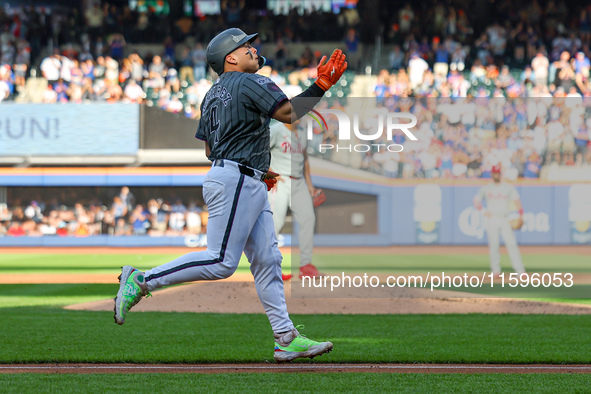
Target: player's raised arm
{"x": 328, "y": 75}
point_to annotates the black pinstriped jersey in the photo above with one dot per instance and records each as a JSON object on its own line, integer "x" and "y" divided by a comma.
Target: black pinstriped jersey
{"x": 235, "y": 116}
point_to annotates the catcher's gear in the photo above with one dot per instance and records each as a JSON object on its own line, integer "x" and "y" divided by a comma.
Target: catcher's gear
{"x": 329, "y": 73}
{"x": 517, "y": 223}
{"x": 318, "y": 198}
{"x": 225, "y": 43}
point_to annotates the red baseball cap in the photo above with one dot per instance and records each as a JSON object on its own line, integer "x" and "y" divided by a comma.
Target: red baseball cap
{"x": 496, "y": 169}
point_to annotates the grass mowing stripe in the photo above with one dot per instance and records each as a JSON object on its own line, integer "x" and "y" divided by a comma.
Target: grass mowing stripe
{"x": 547, "y": 294}
{"x": 55, "y": 289}
{"x": 380, "y": 262}
{"x": 32, "y": 335}
{"x": 15, "y": 295}
{"x": 94, "y": 263}
{"x": 76, "y": 261}
{"x": 115, "y": 271}
{"x": 567, "y": 300}
{"x": 446, "y": 262}
{"x": 83, "y": 260}
{"x": 51, "y": 301}
{"x": 294, "y": 382}
{"x": 55, "y": 294}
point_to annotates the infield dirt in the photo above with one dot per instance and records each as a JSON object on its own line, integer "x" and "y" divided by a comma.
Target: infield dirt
{"x": 239, "y": 294}
{"x": 241, "y": 297}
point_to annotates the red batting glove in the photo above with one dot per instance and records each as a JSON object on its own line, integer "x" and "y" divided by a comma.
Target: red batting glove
{"x": 329, "y": 73}
{"x": 270, "y": 182}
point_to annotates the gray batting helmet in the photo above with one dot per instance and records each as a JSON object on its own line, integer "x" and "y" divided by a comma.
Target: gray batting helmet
{"x": 225, "y": 43}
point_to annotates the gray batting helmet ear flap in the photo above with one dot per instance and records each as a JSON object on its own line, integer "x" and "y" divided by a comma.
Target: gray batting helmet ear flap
{"x": 225, "y": 43}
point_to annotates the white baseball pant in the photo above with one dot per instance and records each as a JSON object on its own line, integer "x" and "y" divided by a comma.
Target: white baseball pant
{"x": 240, "y": 219}
{"x": 294, "y": 193}
{"x": 497, "y": 227}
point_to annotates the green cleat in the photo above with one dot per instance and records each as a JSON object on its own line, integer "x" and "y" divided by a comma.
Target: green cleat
{"x": 132, "y": 287}
{"x": 300, "y": 347}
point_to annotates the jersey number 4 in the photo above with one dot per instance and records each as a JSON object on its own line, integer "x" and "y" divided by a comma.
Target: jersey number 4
{"x": 214, "y": 123}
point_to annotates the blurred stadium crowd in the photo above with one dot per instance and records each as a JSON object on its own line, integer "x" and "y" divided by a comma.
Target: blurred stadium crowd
{"x": 154, "y": 217}
{"x": 516, "y": 49}
{"x": 464, "y": 137}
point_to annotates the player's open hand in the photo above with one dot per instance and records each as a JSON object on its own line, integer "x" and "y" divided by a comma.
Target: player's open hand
{"x": 330, "y": 72}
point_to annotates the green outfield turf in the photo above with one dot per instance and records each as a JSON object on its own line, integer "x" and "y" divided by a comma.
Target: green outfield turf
{"x": 289, "y": 382}
{"x": 453, "y": 263}
{"x": 15, "y": 295}
{"x": 332, "y": 264}
{"x": 478, "y": 265}
{"x": 12, "y": 263}
{"x": 35, "y": 329}
{"x": 50, "y": 334}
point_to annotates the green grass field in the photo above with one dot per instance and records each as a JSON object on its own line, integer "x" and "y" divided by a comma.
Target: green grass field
{"x": 332, "y": 264}
{"x": 35, "y": 329}
{"x": 45, "y": 334}
{"x": 452, "y": 263}
{"x": 290, "y": 382}
{"x": 474, "y": 264}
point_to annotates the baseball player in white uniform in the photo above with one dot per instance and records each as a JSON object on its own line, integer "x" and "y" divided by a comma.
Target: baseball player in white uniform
{"x": 498, "y": 196}
{"x": 294, "y": 189}
{"x": 234, "y": 124}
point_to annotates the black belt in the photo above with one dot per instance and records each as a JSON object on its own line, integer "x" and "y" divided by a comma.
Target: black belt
{"x": 244, "y": 170}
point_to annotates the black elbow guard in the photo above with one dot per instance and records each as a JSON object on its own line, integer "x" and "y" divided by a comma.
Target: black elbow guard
{"x": 303, "y": 102}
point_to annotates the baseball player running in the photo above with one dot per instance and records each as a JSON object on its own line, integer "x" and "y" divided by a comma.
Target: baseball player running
{"x": 499, "y": 195}
{"x": 294, "y": 189}
{"x": 235, "y": 116}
